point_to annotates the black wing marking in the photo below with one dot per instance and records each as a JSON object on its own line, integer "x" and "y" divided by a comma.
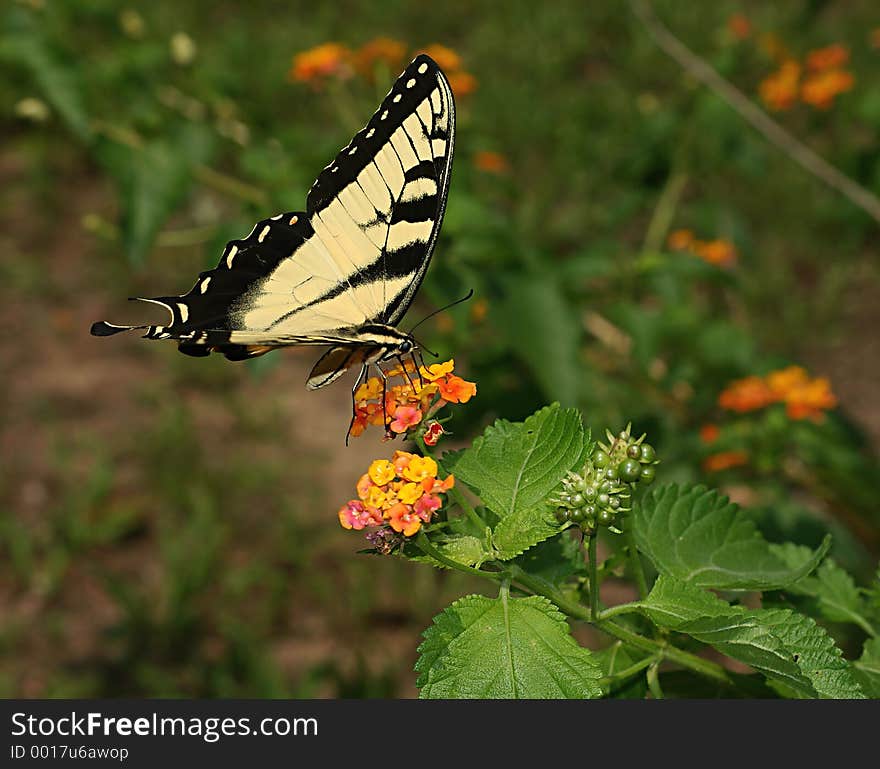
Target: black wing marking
{"x": 357, "y": 255}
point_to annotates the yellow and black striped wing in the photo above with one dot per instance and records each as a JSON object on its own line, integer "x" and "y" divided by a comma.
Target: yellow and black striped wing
{"x": 356, "y": 256}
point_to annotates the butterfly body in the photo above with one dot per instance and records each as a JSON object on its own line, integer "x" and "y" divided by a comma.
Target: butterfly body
{"x": 343, "y": 272}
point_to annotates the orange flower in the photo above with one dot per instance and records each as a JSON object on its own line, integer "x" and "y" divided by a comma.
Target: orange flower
{"x": 479, "y": 310}
{"x": 874, "y": 37}
{"x": 821, "y": 88}
{"x": 321, "y": 62}
{"x": 462, "y": 83}
{"x": 380, "y": 49}
{"x": 785, "y": 380}
{"x": 718, "y": 252}
{"x": 454, "y": 389}
{"x": 810, "y": 400}
{"x": 830, "y": 57}
{"x": 680, "y": 240}
{"x": 432, "y": 433}
{"x": 709, "y": 433}
{"x": 740, "y": 27}
{"x": 403, "y": 520}
{"x": 491, "y": 162}
{"x": 724, "y": 460}
{"x": 749, "y": 394}
{"x": 447, "y": 59}
{"x": 779, "y": 90}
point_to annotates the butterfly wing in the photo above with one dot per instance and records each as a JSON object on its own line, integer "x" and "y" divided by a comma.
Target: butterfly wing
{"x": 357, "y": 255}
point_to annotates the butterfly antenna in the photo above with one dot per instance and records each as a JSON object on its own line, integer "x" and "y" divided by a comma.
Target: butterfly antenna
{"x": 442, "y": 309}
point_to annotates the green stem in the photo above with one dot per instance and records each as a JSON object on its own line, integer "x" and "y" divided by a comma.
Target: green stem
{"x": 622, "y": 608}
{"x": 577, "y": 611}
{"x": 654, "y": 681}
{"x": 594, "y": 577}
{"x": 424, "y": 544}
{"x": 627, "y": 672}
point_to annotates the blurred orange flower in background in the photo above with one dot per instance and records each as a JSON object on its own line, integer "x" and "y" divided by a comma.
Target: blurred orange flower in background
{"x": 720, "y": 252}
{"x": 462, "y": 83}
{"x": 320, "y": 63}
{"x": 779, "y": 90}
{"x": 491, "y": 162}
{"x": 740, "y": 26}
{"x": 724, "y": 460}
{"x": 447, "y": 59}
{"x": 803, "y": 396}
{"x": 825, "y": 79}
{"x": 874, "y": 37}
{"x": 709, "y": 433}
{"x": 830, "y": 57}
{"x": 386, "y": 50}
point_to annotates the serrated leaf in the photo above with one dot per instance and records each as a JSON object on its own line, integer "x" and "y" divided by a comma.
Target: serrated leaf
{"x": 837, "y": 596}
{"x": 537, "y": 314}
{"x": 699, "y": 536}
{"x": 463, "y": 548}
{"x": 504, "y": 648}
{"x": 788, "y": 648}
{"x": 554, "y": 560}
{"x": 867, "y": 668}
{"x": 514, "y": 467}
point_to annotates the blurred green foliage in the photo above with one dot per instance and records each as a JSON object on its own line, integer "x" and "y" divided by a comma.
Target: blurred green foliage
{"x": 183, "y": 119}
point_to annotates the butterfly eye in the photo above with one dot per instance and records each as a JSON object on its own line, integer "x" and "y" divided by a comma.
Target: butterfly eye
{"x": 405, "y": 346}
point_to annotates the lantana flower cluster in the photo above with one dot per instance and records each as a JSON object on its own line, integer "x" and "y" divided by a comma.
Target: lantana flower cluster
{"x": 334, "y": 61}
{"x": 720, "y": 252}
{"x": 411, "y": 397}
{"x": 804, "y": 397}
{"x": 816, "y": 81}
{"x": 400, "y": 495}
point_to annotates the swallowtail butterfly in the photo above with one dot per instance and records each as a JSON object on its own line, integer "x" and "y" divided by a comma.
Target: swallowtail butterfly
{"x": 343, "y": 272}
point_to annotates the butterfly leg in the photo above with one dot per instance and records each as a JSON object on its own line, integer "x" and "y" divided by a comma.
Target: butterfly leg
{"x": 406, "y": 374}
{"x": 361, "y": 377}
{"x": 418, "y": 368}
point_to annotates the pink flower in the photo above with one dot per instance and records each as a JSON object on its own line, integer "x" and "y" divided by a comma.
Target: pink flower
{"x": 404, "y": 418}
{"x": 426, "y": 506}
{"x": 356, "y": 515}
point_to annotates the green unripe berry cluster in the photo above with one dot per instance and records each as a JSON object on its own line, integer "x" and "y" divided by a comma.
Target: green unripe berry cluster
{"x": 595, "y": 496}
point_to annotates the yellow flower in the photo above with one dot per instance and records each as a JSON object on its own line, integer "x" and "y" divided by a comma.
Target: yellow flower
{"x": 779, "y": 90}
{"x": 420, "y": 468}
{"x": 408, "y": 493}
{"x": 785, "y": 380}
{"x": 437, "y": 370}
{"x": 376, "y": 497}
{"x": 369, "y": 390}
{"x": 381, "y": 472}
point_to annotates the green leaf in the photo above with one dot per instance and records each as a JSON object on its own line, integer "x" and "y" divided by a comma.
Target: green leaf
{"x": 504, "y": 648}
{"x": 56, "y": 79}
{"x": 153, "y": 180}
{"x": 546, "y": 328}
{"x": 514, "y": 467}
{"x": 464, "y": 548}
{"x": 837, "y": 597}
{"x": 788, "y": 648}
{"x": 700, "y": 536}
{"x": 615, "y": 659}
{"x": 867, "y": 668}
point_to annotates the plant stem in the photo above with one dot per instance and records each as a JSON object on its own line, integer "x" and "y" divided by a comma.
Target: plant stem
{"x": 622, "y": 608}
{"x": 577, "y": 611}
{"x": 627, "y": 672}
{"x": 654, "y": 681}
{"x": 424, "y": 544}
{"x": 594, "y": 577}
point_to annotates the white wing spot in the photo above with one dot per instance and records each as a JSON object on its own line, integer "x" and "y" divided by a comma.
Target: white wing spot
{"x": 352, "y": 150}
{"x": 411, "y": 82}
{"x": 184, "y": 311}
{"x": 423, "y": 69}
{"x": 334, "y": 169}
{"x": 265, "y": 232}
{"x": 397, "y": 98}
{"x": 384, "y": 115}
{"x": 371, "y": 132}
{"x": 230, "y": 256}
{"x": 203, "y": 286}
{"x": 294, "y": 219}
